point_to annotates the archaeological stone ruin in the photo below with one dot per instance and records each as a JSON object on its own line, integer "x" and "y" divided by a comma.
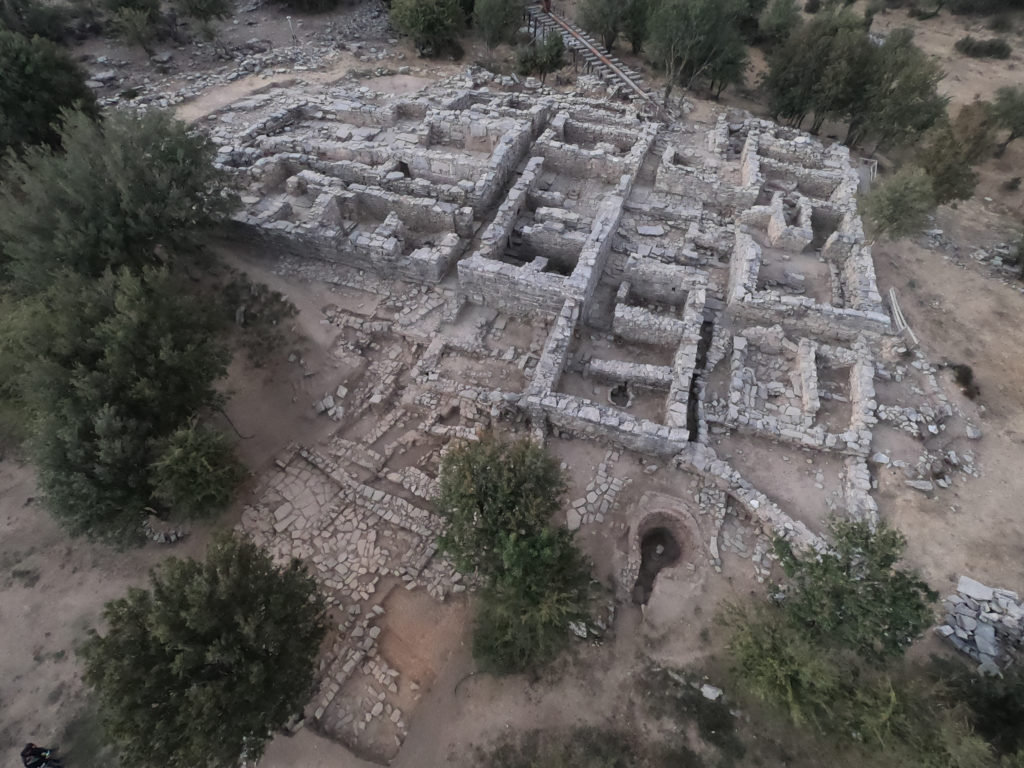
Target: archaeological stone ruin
{"x": 691, "y": 305}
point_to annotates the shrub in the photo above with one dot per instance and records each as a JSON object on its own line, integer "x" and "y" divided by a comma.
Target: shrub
{"x": 542, "y": 58}
{"x": 135, "y": 26}
{"x": 491, "y": 489}
{"x": 434, "y": 25}
{"x": 853, "y": 595}
{"x": 974, "y": 128}
{"x": 812, "y": 6}
{"x": 945, "y": 159}
{"x": 259, "y": 314}
{"x": 39, "y": 81}
{"x": 205, "y": 10}
{"x": 31, "y": 18}
{"x": 603, "y": 18}
{"x": 497, "y": 20}
{"x": 777, "y": 21}
{"x": 995, "y": 48}
{"x": 900, "y": 204}
{"x": 141, "y": 191}
{"x": 195, "y": 472}
{"x": 1001, "y": 22}
{"x": 200, "y": 668}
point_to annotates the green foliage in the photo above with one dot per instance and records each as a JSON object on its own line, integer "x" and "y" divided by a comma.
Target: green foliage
{"x": 31, "y": 18}
{"x": 205, "y": 10}
{"x": 151, "y": 7}
{"x": 995, "y": 48}
{"x": 433, "y": 25}
{"x": 635, "y": 22}
{"x": 499, "y": 498}
{"x": 946, "y": 162}
{"x": 995, "y": 704}
{"x": 854, "y": 595}
{"x": 39, "y": 81}
{"x": 195, "y": 471}
{"x": 201, "y": 667}
{"x": 603, "y": 18}
{"x": 974, "y": 128}
{"x": 497, "y": 20}
{"x": 136, "y": 192}
{"x": 900, "y": 205}
{"x": 135, "y": 27}
{"x": 542, "y": 58}
{"x": 108, "y": 367}
{"x": 778, "y": 21}
{"x": 1008, "y": 109}
{"x": 260, "y": 315}
{"x": 698, "y": 40}
{"x": 526, "y": 608}
{"x": 778, "y": 664}
{"x": 586, "y": 747}
{"x": 829, "y": 68}
{"x": 490, "y": 490}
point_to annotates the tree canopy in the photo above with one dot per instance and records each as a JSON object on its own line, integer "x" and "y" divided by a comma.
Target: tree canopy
{"x": 497, "y": 20}
{"x": 135, "y": 191}
{"x": 900, "y": 204}
{"x": 854, "y": 595}
{"x": 200, "y": 668}
{"x": 109, "y": 368}
{"x": 499, "y": 498}
{"x": 39, "y": 82}
{"x": 698, "y": 40}
{"x": 829, "y": 68}
{"x": 1008, "y": 108}
{"x": 433, "y": 25}
{"x": 603, "y": 18}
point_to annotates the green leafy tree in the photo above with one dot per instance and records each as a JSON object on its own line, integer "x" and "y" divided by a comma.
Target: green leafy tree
{"x": 636, "y": 22}
{"x": 39, "y": 81}
{"x": 135, "y": 26}
{"x": 543, "y": 585}
{"x": 778, "y": 21}
{"x": 778, "y": 664}
{"x": 854, "y": 594}
{"x": 31, "y": 18}
{"x": 697, "y": 39}
{"x": 107, "y": 368}
{"x": 497, "y": 20}
{"x": 902, "y": 99}
{"x": 974, "y": 128}
{"x": 201, "y": 667}
{"x": 491, "y": 489}
{"x": 136, "y": 192}
{"x": 433, "y": 25}
{"x": 900, "y": 205}
{"x": 945, "y": 160}
{"x": 195, "y": 470}
{"x": 1008, "y": 108}
{"x": 603, "y": 18}
{"x": 499, "y": 498}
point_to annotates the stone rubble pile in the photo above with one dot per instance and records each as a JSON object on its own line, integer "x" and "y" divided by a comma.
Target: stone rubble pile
{"x": 984, "y": 622}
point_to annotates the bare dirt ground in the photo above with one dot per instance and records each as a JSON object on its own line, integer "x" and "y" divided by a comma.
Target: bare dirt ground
{"x": 52, "y": 588}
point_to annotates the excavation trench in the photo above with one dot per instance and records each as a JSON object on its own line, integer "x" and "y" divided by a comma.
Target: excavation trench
{"x": 658, "y": 549}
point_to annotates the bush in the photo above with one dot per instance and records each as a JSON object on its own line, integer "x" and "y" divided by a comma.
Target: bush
{"x": 195, "y": 471}
{"x": 542, "y": 58}
{"x": 205, "y": 10}
{"x": 259, "y": 314}
{"x": 974, "y": 128}
{"x": 900, "y": 205}
{"x": 603, "y": 18}
{"x": 135, "y": 26}
{"x": 1001, "y": 22}
{"x": 777, "y": 21}
{"x": 203, "y": 666}
{"x": 140, "y": 191}
{"x": 31, "y": 18}
{"x": 812, "y": 6}
{"x": 524, "y": 617}
{"x": 490, "y": 490}
{"x": 497, "y": 20}
{"x": 39, "y": 82}
{"x": 499, "y": 499}
{"x": 995, "y": 48}
{"x": 853, "y": 595}
{"x": 434, "y": 25}
{"x": 946, "y": 161}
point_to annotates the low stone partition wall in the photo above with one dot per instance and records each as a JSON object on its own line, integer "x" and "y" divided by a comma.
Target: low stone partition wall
{"x": 685, "y": 361}
{"x": 641, "y": 326}
{"x": 662, "y": 283}
{"x": 417, "y": 213}
{"x": 637, "y": 374}
{"x": 511, "y": 289}
{"x": 556, "y": 350}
